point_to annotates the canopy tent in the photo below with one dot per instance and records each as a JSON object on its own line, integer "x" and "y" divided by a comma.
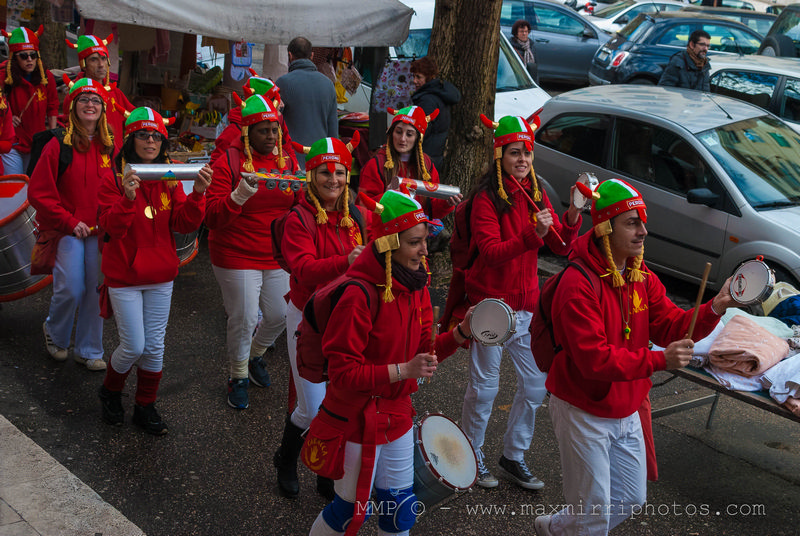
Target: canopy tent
{"x": 324, "y": 22}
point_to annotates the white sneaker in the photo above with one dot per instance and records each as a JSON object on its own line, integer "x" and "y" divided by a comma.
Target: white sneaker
{"x": 542, "y": 526}
{"x": 56, "y": 352}
{"x": 91, "y": 364}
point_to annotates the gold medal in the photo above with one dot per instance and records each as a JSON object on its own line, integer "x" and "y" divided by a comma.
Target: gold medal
{"x": 149, "y": 212}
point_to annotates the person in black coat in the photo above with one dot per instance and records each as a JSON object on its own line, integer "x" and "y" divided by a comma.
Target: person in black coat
{"x": 689, "y": 68}
{"x": 433, "y": 93}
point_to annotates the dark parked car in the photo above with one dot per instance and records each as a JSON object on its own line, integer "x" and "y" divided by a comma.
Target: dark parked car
{"x": 565, "y": 41}
{"x": 638, "y": 53}
{"x": 783, "y": 39}
{"x": 759, "y": 21}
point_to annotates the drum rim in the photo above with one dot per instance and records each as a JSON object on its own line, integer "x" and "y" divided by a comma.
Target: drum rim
{"x": 429, "y": 464}
{"x": 25, "y": 204}
{"x": 761, "y": 296}
{"x": 503, "y": 305}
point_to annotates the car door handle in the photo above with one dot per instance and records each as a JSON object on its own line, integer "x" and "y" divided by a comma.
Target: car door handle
{"x": 540, "y": 40}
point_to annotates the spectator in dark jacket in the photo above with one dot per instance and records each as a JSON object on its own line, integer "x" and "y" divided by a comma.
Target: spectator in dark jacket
{"x": 689, "y": 68}
{"x": 524, "y": 47}
{"x": 433, "y": 93}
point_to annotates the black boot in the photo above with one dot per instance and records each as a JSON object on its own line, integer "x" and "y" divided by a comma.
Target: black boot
{"x": 325, "y": 488}
{"x": 286, "y": 459}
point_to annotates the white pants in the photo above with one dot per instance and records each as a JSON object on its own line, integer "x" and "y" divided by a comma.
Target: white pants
{"x": 243, "y": 293}
{"x": 484, "y": 383}
{"x": 141, "y": 314}
{"x": 309, "y": 395}
{"x": 15, "y": 163}
{"x": 603, "y": 466}
{"x": 393, "y": 469}
{"x": 76, "y": 275}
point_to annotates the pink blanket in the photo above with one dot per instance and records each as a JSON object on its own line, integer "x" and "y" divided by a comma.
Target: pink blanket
{"x": 745, "y": 348}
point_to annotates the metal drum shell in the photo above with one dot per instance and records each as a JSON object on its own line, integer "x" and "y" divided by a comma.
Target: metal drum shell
{"x": 481, "y": 322}
{"x": 761, "y": 282}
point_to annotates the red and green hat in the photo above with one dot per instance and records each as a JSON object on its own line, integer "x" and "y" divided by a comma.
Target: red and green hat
{"x": 144, "y": 118}
{"x": 400, "y": 212}
{"x": 511, "y": 129}
{"x": 612, "y": 198}
{"x": 89, "y": 44}
{"x": 255, "y": 109}
{"x": 258, "y": 85}
{"x": 414, "y": 116}
{"x": 85, "y": 85}
{"x": 329, "y": 151}
{"x": 23, "y": 39}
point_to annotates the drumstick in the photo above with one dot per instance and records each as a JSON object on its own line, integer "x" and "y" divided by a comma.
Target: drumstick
{"x": 434, "y": 333}
{"x": 521, "y": 189}
{"x": 700, "y": 293}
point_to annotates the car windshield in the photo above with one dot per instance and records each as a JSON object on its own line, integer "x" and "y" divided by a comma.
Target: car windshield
{"x": 613, "y": 9}
{"x": 511, "y": 75}
{"x": 762, "y": 157}
{"x": 635, "y": 29}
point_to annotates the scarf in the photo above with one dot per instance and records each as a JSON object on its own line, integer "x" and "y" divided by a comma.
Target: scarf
{"x": 412, "y": 280}
{"x": 527, "y": 53}
{"x": 698, "y": 62}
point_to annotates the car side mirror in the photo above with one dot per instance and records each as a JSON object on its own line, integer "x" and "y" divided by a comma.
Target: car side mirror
{"x": 702, "y": 196}
{"x": 588, "y": 33}
{"x": 622, "y": 20}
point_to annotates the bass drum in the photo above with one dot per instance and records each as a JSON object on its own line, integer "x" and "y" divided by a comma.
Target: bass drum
{"x": 17, "y": 238}
{"x": 186, "y": 244}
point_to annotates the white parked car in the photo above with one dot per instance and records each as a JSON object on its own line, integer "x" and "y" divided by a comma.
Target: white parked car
{"x": 613, "y": 17}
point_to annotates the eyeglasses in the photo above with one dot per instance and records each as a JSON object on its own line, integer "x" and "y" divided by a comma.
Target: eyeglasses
{"x": 145, "y": 135}
{"x": 97, "y": 101}
{"x": 28, "y": 55}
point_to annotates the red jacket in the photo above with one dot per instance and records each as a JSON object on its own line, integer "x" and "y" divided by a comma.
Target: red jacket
{"x": 141, "y": 250}
{"x": 359, "y": 351}
{"x": 508, "y": 250}
{"x": 7, "y": 134}
{"x": 601, "y": 371}
{"x": 234, "y": 131}
{"x": 114, "y": 116}
{"x": 44, "y": 104}
{"x": 62, "y": 202}
{"x": 316, "y": 256}
{"x": 373, "y": 183}
{"x": 239, "y": 237}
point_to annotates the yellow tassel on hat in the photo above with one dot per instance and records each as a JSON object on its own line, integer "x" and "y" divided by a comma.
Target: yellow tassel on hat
{"x": 426, "y": 176}
{"x": 537, "y": 194}
{"x": 248, "y": 163}
{"x": 387, "y": 293}
{"x": 321, "y": 216}
{"x": 281, "y": 159}
{"x": 637, "y": 275}
{"x": 41, "y": 71}
{"x": 616, "y": 278}
{"x": 500, "y": 190}
{"x": 347, "y": 220}
{"x": 68, "y": 134}
{"x": 9, "y": 80}
{"x": 389, "y": 164}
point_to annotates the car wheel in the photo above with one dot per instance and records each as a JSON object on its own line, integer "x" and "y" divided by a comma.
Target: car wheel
{"x": 782, "y": 274}
{"x": 778, "y": 45}
{"x": 642, "y": 81}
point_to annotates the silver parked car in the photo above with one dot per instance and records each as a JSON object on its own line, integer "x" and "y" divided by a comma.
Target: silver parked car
{"x": 721, "y": 177}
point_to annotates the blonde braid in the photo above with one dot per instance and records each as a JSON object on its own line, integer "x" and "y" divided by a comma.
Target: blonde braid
{"x": 105, "y": 135}
{"x": 41, "y": 71}
{"x": 616, "y": 279}
{"x": 68, "y": 131}
{"x": 9, "y": 79}
{"x": 426, "y": 176}
{"x": 389, "y": 164}
{"x": 387, "y": 294}
{"x": 637, "y": 275}
{"x": 321, "y": 216}
{"x": 248, "y": 162}
{"x": 500, "y": 190}
{"x": 537, "y": 195}
{"x": 2, "y": 102}
{"x": 347, "y": 220}
{"x": 281, "y": 159}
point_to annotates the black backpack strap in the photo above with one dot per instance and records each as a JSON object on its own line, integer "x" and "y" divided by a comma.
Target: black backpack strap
{"x": 359, "y": 219}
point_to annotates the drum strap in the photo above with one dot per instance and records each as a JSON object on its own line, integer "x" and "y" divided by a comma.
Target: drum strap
{"x": 367, "y": 466}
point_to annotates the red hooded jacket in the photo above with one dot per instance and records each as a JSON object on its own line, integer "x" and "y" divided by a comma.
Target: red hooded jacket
{"x": 508, "y": 249}
{"x": 44, "y": 104}
{"x": 141, "y": 250}
{"x": 316, "y": 256}
{"x": 239, "y": 237}
{"x": 600, "y": 371}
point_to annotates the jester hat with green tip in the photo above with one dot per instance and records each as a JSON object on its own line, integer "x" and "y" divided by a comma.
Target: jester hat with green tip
{"x": 144, "y": 118}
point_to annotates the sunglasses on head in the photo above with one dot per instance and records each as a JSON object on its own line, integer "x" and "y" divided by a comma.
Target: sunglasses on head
{"x": 28, "y": 55}
{"x": 97, "y": 101}
{"x": 145, "y": 135}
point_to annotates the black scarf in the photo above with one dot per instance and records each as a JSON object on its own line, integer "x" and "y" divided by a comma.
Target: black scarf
{"x": 411, "y": 279}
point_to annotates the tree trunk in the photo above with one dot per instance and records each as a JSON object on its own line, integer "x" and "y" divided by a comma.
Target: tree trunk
{"x": 464, "y": 43}
{"x": 52, "y": 47}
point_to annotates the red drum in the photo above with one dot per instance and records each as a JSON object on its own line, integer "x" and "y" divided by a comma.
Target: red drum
{"x": 17, "y": 238}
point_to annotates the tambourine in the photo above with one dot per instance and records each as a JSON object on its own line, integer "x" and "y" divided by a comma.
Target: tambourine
{"x": 493, "y": 322}
{"x": 752, "y": 282}
{"x": 579, "y": 200}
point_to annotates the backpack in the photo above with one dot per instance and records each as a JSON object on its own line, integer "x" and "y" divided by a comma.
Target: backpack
{"x": 40, "y": 139}
{"x": 543, "y": 342}
{"x": 278, "y": 225}
{"x": 312, "y": 364}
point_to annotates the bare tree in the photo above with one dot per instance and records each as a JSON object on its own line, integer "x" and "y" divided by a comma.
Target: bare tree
{"x": 52, "y": 47}
{"x": 464, "y": 43}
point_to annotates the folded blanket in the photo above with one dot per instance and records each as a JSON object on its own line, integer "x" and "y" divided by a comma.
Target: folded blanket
{"x": 743, "y": 347}
{"x": 783, "y": 380}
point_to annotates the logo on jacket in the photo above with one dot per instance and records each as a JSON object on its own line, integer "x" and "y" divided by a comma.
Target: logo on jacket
{"x": 165, "y": 201}
{"x": 40, "y": 96}
{"x": 314, "y": 453}
{"x": 638, "y": 304}
{"x": 105, "y": 161}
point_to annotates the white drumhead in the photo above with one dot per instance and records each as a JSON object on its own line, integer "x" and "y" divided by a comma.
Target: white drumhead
{"x": 589, "y": 179}
{"x": 491, "y": 321}
{"x": 750, "y": 281}
{"x": 448, "y": 450}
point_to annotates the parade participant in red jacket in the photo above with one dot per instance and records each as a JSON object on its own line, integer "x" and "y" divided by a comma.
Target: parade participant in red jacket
{"x": 239, "y": 212}
{"x": 321, "y": 240}
{"x": 599, "y": 383}
{"x": 67, "y": 204}
{"x": 7, "y": 134}
{"x": 93, "y": 60}
{"x": 140, "y": 264}
{"x": 402, "y": 156}
{"x": 256, "y": 85}
{"x": 30, "y": 91}
{"x": 373, "y": 366}
{"x": 508, "y": 233}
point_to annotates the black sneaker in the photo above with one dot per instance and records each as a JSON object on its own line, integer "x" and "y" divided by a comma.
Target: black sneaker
{"x": 257, "y": 372}
{"x": 518, "y": 472}
{"x": 148, "y": 419}
{"x": 237, "y": 393}
{"x": 112, "y": 410}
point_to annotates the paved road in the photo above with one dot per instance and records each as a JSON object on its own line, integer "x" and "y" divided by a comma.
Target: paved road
{"x": 212, "y": 474}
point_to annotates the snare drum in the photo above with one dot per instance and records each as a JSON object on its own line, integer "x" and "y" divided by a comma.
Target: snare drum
{"x": 493, "y": 322}
{"x": 17, "y": 238}
{"x": 752, "y": 282}
{"x": 186, "y": 244}
{"x": 444, "y": 461}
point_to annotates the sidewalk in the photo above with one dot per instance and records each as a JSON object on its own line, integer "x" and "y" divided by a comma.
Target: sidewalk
{"x": 38, "y": 496}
